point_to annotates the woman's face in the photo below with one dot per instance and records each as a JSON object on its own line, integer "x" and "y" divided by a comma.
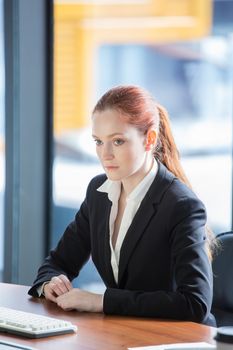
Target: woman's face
{"x": 119, "y": 146}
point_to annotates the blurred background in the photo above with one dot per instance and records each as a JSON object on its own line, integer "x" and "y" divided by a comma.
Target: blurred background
{"x": 181, "y": 51}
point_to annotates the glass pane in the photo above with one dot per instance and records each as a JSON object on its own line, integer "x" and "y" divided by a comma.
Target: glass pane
{"x": 188, "y": 71}
{"x": 2, "y": 138}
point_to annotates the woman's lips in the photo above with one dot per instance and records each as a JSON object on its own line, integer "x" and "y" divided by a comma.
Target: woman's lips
{"x": 111, "y": 167}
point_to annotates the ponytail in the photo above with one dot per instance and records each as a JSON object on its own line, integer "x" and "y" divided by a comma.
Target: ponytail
{"x": 166, "y": 150}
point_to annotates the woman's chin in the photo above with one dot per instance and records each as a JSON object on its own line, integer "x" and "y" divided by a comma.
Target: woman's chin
{"x": 113, "y": 177}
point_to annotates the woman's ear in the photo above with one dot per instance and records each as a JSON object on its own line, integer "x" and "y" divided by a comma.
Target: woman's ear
{"x": 151, "y": 137}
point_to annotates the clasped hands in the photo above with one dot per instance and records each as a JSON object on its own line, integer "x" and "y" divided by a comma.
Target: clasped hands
{"x": 60, "y": 290}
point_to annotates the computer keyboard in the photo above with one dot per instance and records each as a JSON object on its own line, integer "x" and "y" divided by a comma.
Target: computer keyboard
{"x": 32, "y": 325}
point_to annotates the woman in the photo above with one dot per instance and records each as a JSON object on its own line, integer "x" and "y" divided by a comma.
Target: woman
{"x": 141, "y": 223}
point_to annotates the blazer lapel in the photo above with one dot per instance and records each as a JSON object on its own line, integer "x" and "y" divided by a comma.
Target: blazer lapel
{"x": 146, "y": 211}
{"x": 106, "y": 246}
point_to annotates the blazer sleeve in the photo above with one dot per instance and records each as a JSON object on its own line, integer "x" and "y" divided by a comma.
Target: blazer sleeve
{"x": 71, "y": 253}
{"x": 190, "y": 297}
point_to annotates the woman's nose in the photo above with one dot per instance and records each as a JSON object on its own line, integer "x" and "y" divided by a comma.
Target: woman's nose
{"x": 107, "y": 152}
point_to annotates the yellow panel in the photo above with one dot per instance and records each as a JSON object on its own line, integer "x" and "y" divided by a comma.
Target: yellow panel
{"x": 120, "y": 9}
{"x": 69, "y": 76}
{"x": 80, "y": 29}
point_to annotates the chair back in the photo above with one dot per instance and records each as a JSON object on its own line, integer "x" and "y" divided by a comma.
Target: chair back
{"x": 223, "y": 280}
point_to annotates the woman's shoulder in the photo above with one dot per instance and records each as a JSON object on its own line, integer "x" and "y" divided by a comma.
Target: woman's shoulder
{"x": 178, "y": 201}
{"x": 180, "y": 194}
{"x": 180, "y": 189}
{"x": 96, "y": 182}
{"x": 176, "y": 190}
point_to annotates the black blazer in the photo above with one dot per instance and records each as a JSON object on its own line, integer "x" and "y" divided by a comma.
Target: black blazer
{"x": 164, "y": 271}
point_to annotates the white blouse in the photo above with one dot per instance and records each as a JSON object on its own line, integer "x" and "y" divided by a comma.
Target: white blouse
{"x": 133, "y": 201}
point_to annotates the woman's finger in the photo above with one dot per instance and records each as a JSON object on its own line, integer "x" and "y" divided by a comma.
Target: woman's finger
{"x": 66, "y": 282}
{"x": 58, "y": 285}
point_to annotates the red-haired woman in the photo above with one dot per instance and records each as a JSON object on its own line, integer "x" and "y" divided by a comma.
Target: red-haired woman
{"x": 140, "y": 221}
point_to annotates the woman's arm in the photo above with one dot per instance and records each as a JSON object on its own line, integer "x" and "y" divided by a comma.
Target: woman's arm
{"x": 71, "y": 253}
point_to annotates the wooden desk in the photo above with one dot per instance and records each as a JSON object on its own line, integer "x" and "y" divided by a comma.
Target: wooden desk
{"x": 97, "y": 331}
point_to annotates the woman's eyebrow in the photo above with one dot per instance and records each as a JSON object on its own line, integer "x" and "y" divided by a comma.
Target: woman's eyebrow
{"x": 111, "y": 135}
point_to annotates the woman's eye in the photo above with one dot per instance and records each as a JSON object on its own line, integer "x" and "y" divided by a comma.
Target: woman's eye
{"x": 118, "y": 142}
{"x": 98, "y": 142}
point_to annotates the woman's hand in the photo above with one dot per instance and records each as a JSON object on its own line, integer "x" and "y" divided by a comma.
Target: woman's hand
{"x": 56, "y": 287}
{"x": 80, "y": 300}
